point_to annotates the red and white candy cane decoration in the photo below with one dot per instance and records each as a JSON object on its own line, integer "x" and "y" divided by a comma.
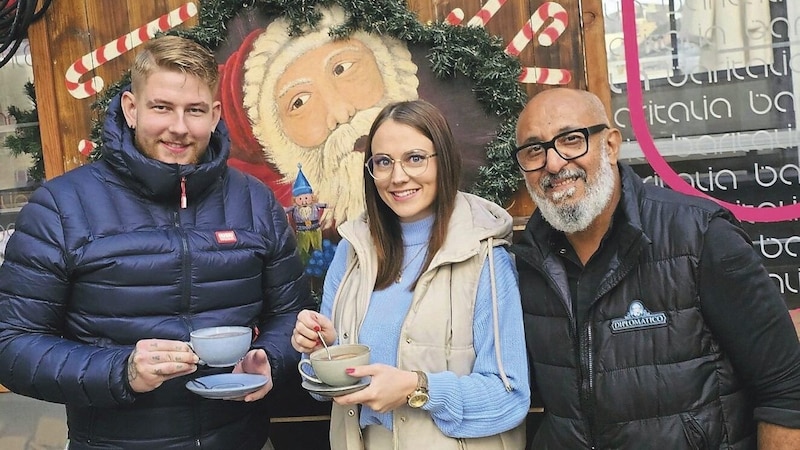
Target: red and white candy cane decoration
{"x": 538, "y": 18}
{"x": 486, "y": 13}
{"x": 85, "y": 147}
{"x": 117, "y": 47}
{"x": 544, "y": 75}
{"x": 548, "y": 35}
{"x": 455, "y": 17}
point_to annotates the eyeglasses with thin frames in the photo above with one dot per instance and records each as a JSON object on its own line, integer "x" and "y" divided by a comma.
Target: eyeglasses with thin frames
{"x": 568, "y": 145}
{"x": 413, "y": 163}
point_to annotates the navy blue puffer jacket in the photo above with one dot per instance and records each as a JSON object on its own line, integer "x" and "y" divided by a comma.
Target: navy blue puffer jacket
{"x": 104, "y": 256}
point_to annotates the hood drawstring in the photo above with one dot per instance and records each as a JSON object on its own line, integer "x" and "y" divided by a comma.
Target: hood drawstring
{"x": 184, "y": 200}
{"x": 496, "y": 319}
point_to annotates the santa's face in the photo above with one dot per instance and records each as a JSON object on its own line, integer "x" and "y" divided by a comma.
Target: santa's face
{"x": 324, "y": 88}
{"x": 312, "y": 101}
{"x": 173, "y": 114}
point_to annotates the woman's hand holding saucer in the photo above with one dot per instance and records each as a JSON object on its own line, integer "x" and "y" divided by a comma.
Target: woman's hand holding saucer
{"x": 387, "y": 391}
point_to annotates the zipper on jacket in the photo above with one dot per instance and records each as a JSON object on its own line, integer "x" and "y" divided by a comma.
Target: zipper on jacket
{"x": 197, "y": 423}
{"x": 184, "y": 199}
{"x": 586, "y": 370}
{"x": 91, "y": 433}
{"x": 185, "y": 269}
{"x": 590, "y": 412}
{"x": 187, "y": 272}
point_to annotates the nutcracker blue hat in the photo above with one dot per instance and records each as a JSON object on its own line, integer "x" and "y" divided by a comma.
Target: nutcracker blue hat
{"x": 301, "y": 185}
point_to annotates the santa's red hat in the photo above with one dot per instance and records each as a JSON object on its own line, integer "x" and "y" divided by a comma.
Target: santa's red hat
{"x": 246, "y": 152}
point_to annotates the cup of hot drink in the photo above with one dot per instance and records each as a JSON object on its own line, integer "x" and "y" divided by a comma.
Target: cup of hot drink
{"x": 332, "y": 371}
{"x": 221, "y": 346}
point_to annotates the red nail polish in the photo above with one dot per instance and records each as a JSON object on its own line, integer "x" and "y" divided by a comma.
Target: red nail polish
{"x": 317, "y": 328}
{"x": 349, "y": 371}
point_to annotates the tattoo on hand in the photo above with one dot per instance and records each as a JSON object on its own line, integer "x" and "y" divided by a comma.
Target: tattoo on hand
{"x": 133, "y": 373}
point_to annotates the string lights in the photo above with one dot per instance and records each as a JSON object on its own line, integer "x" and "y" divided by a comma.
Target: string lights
{"x": 15, "y": 17}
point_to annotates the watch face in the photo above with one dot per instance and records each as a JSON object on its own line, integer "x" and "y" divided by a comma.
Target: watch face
{"x": 418, "y": 399}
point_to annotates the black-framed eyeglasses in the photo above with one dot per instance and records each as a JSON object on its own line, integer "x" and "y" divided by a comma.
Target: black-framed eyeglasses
{"x": 568, "y": 145}
{"x": 414, "y": 164}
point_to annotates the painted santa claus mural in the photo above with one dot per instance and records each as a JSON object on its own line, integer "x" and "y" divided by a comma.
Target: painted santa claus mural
{"x": 310, "y": 100}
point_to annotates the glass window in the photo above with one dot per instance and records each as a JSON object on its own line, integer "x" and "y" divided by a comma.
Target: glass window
{"x": 720, "y": 81}
{"x": 21, "y": 168}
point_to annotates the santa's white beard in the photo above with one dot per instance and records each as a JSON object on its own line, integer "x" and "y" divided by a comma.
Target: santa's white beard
{"x": 333, "y": 169}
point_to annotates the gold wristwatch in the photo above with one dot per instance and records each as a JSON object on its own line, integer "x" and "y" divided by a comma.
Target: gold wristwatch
{"x": 419, "y": 397}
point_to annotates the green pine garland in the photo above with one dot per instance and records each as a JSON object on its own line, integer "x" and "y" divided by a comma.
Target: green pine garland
{"x": 454, "y": 50}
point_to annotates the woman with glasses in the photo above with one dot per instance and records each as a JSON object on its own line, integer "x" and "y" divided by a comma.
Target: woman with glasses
{"x": 424, "y": 279}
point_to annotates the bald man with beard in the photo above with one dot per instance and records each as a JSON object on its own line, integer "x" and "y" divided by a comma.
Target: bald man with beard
{"x": 650, "y": 320}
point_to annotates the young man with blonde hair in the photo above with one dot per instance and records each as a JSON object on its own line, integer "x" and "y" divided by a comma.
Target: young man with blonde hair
{"x": 114, "y": 264}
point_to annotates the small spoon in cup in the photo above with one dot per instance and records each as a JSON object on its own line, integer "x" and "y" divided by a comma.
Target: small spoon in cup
{"x": 324, "y": 344}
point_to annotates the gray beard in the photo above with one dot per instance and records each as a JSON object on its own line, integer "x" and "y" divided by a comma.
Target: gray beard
{"x": 575, "y": 217}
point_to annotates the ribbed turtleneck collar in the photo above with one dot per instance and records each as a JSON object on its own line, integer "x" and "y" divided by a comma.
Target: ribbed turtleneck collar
{"x": 417, "y": 232}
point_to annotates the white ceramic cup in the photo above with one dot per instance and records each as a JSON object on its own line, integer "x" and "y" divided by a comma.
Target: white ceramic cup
{"x": 221, "y": 346}
{"x": 332, "y": 371}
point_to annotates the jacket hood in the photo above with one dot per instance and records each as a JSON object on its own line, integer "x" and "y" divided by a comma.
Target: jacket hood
{"x": 474, "y": 220}
{"x": 152, "y": 178}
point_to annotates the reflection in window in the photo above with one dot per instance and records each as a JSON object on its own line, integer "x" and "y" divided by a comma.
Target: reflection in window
{"x": 708, "y": 67}
{"x": 720, "y": 82}
{"x": 21, "y": 167}
{"x": 727, "y": 34}
{"x": 696, "y": 36}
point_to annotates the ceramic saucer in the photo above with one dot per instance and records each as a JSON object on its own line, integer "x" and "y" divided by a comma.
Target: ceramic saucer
{"x": 226, "y": 385}
{"x": 325, "y": 390}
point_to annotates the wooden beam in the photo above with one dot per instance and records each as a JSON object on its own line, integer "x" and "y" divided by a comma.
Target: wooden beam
{"x": 594, "y": 34}
{"x": 323, "y": 418}
{"x": 44, "y": 80}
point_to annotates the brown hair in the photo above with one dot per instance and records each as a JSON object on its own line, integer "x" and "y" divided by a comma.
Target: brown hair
{"x": 177, "y": 54}
{"x": 384, "y": 225}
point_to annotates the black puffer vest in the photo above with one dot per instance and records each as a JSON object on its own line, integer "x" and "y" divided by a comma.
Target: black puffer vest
{"x": 644, "y": 371}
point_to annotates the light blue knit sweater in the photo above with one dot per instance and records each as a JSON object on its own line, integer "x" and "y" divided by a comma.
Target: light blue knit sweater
{"x": 468, "y": 406}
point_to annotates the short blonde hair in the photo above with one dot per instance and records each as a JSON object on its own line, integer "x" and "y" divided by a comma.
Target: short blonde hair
{"x": 177, "y": 54}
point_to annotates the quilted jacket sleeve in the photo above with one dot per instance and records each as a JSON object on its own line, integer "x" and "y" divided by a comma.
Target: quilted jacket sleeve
{"x": 36, "y": 359}
{"x": 286, "y": 292}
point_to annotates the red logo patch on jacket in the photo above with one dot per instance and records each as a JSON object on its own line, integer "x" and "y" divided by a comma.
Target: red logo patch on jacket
{"x": 225, "y": 237}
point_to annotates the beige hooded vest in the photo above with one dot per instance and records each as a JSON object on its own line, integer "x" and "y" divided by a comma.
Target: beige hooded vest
{"x": 436, "y": 335}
